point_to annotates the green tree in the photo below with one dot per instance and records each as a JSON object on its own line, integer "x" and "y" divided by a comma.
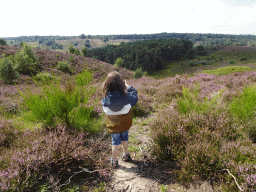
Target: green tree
{"x": 21, "y": 44}
{"x": 200, "y": 50}
{"x": 7, "y": 72}
{"x": 87, "y": 44}
{"x": 3, "y": 42}
{"x": 84, "y": 51}
{"x": 82, "y": 36}
{"x": 71, "y": 49}
{"x": 26, "y": 62}
{"x": 77, "y": 52}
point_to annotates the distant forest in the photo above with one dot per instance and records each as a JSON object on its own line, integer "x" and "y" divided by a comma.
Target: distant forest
{"x": 205, "y": 39}
{"x": 149, "y": 55}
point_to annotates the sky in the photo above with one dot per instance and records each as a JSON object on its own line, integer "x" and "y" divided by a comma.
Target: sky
{"x": 110, "y": 17}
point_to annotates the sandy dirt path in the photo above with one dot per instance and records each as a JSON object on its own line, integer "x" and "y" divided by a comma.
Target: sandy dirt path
{"x": 128, "y": 178}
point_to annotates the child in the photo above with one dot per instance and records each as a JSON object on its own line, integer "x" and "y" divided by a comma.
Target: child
{"x": 117, "y": 102}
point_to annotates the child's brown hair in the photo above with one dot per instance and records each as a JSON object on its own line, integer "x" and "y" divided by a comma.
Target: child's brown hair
{"x": 114, "y": 82}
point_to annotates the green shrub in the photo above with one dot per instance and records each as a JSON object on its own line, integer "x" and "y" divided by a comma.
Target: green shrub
{"x": 192, "y": 63}
{"x": 200, "y": 50}
{"x": 7, "y": 72}
{"x": 189, "y": 102}
{"x": 71, "y": 58}
{"x": 56, "y": 104}
{"x": 119, "y": 62}
{"x": 203, "y": 62}
{"x": 243, "y": 59}
{"x": 231, "y": 62}
{"x": 84, "y": 51}
{"x": 244, "y": 105}
{"x": 64, "y": 66}
{"x": 77, "y": 52}
{"x": 139, "y": 73}
{"x": 71, "y": 49}
{"x": 43, "y": 76}
{"x": 83, "y": 78}
{"x": 57, "y": 55}
{"x": 26, "y": 61}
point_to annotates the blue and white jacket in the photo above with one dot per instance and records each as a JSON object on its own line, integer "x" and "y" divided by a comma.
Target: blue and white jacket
{"x": 118, "y": 109}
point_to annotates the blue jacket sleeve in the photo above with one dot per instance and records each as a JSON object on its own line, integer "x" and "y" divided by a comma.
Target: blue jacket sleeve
{"x": 132, "y": 94}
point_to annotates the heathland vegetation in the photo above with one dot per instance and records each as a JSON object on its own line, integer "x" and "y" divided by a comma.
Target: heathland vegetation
{"x": 199, "y": 114}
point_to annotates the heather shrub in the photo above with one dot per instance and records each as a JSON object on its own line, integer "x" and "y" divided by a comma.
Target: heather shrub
{"x": 143, "y": 107}
{"x": 26, "y": 62}
{"x": 239, "y": 158}
{"x": 195, "y": 140}
{"x": 243, "y": 106}
{"x": 57, "y": 103}
{"x": 7, "y": 71}
{"x": 50, "y": 158}
{"x": 202, "y": 161}
{"x": 8, "y": 133}
{"x": 10, "y": 108}
{"x": 64, "y": 66}
{"x": 247, "y": 172}
{"x": 252, "y": 132}
{"x": 169, "y": 137}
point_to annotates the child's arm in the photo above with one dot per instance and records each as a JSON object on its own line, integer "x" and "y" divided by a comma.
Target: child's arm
{"x": 132, "y": 94}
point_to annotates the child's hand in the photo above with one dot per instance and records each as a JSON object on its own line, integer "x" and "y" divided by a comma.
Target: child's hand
{"x": 125, "y": 83}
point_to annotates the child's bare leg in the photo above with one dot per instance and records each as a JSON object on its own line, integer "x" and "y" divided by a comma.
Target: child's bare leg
{"x": 114, "y": 152}
{"x": 125, "y": 146}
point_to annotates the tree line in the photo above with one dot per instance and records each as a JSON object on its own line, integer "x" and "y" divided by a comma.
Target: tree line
{"x": 206, "y": 40}
{"x": 164, "y": 35}
{"x": 149, "y": 55}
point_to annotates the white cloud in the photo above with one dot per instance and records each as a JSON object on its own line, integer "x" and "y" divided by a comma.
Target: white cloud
{"x": 52, "y": 17}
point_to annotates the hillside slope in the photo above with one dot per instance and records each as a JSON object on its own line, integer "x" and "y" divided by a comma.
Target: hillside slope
{"x": 49, "y": 61}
